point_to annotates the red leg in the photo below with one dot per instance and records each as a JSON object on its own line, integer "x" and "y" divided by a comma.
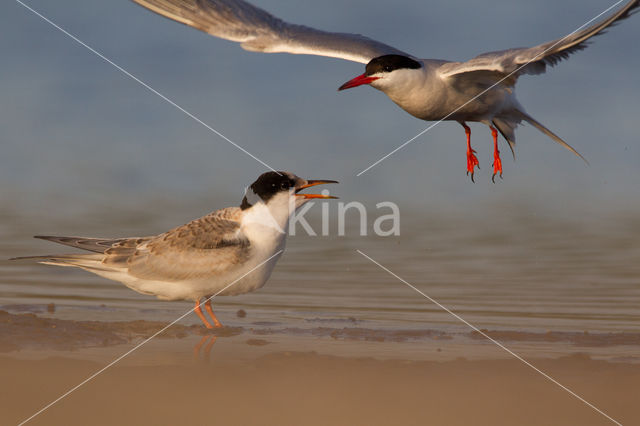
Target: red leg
{"x": 207, "y": 306}
{"x": 497, "y": 163}
{"x": 472, "y": 160}
{"x": 201, "y": 315}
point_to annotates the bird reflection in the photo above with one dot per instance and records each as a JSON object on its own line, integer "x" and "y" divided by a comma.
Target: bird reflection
{"x": 206, "y": 352}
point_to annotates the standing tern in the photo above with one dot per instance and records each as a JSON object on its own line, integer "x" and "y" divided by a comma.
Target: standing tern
{"x": 227, "y": 252}
{"x": 481, "y": 89}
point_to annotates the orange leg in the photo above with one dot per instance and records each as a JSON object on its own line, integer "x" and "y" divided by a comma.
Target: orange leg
{"x": 207, "y": 306}
{"x": 472, "y": 160}
{"x": 201, "y": 315}
{"x": 497, "y": 163}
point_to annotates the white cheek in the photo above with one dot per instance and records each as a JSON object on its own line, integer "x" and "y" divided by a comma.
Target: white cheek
{"x": 402, "y": 79}
{"x": 381, "y": 82}
{"x": 281, "y": 206}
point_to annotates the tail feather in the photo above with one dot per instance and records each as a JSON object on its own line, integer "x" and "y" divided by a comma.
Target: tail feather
{"x": 526, "y": 117}
{"x": 507, "y": 130}
{"x": 92, "y": 262}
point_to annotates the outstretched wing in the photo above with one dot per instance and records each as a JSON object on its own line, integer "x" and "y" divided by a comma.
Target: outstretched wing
{"x": 259, "y": 31}
{"x": 534, "y": 60}
{"x": 204, "y": 247}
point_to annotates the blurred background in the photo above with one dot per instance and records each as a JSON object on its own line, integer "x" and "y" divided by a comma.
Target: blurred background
{"x": 85, "y": 150}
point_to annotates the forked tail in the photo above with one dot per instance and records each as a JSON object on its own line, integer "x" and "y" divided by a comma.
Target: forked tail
{"x": 526, "y": 117}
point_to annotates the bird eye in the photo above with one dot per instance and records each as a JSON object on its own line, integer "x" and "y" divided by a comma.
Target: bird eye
{"x": 284, "y": 185}
{"x": 388, "y": 68}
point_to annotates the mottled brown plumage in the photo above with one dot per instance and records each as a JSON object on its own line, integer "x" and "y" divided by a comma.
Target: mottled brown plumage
{"x": 229, "y": 251}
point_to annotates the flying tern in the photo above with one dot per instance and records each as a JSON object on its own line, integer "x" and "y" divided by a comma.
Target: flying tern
{"x": 478, "y": 90}
{"x": 227, "y": 252}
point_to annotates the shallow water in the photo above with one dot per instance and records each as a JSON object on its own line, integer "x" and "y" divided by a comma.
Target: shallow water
{"x": 523, "y": 274}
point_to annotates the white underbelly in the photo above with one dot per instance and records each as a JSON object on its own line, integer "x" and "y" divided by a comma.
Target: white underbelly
{"x": 436, "y": 101}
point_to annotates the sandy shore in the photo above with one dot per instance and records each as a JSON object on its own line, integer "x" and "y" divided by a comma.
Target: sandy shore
{"x": 243, "y": 376}
{"x": 306, "y": 388}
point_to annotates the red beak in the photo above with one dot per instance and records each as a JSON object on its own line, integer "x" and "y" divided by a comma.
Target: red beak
{"x": 358, "y": 81}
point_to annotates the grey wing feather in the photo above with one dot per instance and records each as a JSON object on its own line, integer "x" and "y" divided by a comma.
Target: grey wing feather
{"x": 259, "y": 31}
{"x": 534, "y": 60}
{"x": 201, "y": 248}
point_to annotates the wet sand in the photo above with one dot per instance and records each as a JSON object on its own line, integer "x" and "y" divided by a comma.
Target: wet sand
{"x": 307, "y": 388}
{"x": 247, "y": 375}
{"x": 29, "y": 331}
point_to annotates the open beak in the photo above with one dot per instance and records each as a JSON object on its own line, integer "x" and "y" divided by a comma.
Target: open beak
{"x": 358, "y": 81}
{"x": 311, "y": 183}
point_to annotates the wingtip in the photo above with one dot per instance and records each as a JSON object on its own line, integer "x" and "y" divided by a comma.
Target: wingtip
{"x": 25, "y": 257}
{"x": 46, "y": 237}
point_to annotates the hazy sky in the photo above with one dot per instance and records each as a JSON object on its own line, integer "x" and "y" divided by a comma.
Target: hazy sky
{"x": 76, "y": 131}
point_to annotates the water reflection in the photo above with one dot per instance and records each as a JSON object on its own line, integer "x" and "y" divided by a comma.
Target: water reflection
{"x": 206, "y": 352}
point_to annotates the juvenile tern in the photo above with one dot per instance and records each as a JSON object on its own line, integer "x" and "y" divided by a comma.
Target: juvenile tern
{"x": 203, "y": 257}
{"x": 480, "y": 90}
